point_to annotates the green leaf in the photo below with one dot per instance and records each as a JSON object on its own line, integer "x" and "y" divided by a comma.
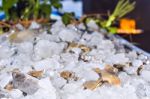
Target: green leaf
{"x": 88, "y": 20}
{"x": 1, "y": 30}
{"x": 1, "y": 9}
{"x": 67, "y": 17}
{"x": 122, "y": 8}
{"x": 56, "y": 4}
{"x": 36, "y": 8}
{"x": 112, "y": 30}
{"x": 13, "y": 13}
{"x": 28, "y": 9}
{"x": 45, "y": 10}
{"x": 7, "y": 4}
{"x": 27, "y": 12}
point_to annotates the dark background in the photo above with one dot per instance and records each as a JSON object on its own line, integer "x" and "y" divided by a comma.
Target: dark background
{"x": 141, "y": 14}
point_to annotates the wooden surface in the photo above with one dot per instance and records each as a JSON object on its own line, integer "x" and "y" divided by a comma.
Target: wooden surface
{"x": 141, "y": 14}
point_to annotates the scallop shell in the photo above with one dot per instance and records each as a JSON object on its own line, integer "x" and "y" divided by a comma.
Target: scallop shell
{"x": 9, "y": 86}
{"x": 70, "y": 46}
{"x": 84, "y": 48}
{"x": 66, "y": 74}
{"x": 91, "y": 85}
{"x": 108, "y": 77}
{"x": 111, "y": 69}
{"x": 36, "y": 74}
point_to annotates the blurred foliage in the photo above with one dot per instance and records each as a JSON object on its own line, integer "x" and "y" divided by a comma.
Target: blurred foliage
{"x": 67, "y": 18}
{"x": 28, "y": 9}
{"x": 122, "y": 8}
{"x": 108, "y": 22}
{"x": 25, "y": 11}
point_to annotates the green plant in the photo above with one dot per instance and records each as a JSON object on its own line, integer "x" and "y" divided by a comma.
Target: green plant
{"x": 28, "y": 9}
{"x": 6, "y": 6}
{"x": 123, "y": 7}
{"x": 67, "y": 18}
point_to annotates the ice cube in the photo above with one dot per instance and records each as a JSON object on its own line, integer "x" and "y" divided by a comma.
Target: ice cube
{"x": 26, "y": 47}
{"x": 45, "y": 48}
{"x": 16, "y": 94}
{"x": 146, "y": 75}
{"x": 6, "y": 52}
{"x": 5, "y": 78}
{"x": 68, "y": 35}
{"x": 46, "y": 64}
{"x": 137, "y": 63}
{"x": 117, "y": 59}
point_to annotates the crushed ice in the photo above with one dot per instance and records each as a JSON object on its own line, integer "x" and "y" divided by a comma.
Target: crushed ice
{"x": 46, "y": 52}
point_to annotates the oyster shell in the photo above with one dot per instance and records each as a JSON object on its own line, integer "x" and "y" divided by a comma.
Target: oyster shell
{"x": 9, "y": 86}
{"x": 108, "y": 77}
{"x": 36, "y": 74}
{"x": 111, "y": 69}
{"x": 84, "y": 48}
{"x": 68, "y": 75}
{"x": 91, "y": 85}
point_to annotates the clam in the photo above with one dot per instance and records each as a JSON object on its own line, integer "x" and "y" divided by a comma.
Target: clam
{"x": 139, "y": 70}
{"x": 84, "y": 48}
{"x": 119, "y": 66}
{"x": 36, "y": 74}
{"x": 91, "y": 85}
{"x": 9, "y": 86}
{"x": 71, "y": 45}
{"x": 111, "y": 69}
{"x": 108, "y": 77}
{"x": 68, "y": 75}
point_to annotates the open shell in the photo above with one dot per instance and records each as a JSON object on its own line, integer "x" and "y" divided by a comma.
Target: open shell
{"x": 108, "y": 77}
{"x": 111, "y": 69}
{"x": 91, "y": 85}
{"x": 84, "y": 48}
{"x": 68, "y": 75}
{"x": 9, "y": 86}
{"x": 36, "y": 74}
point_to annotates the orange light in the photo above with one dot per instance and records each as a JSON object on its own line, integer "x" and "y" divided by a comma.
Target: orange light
{"x": 128, "y": 26}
